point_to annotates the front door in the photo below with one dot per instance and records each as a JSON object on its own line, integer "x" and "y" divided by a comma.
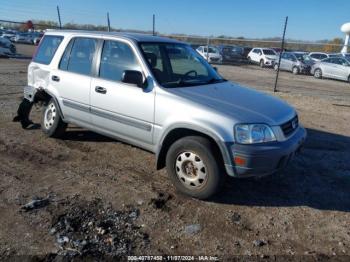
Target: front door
{"x": 121, "y": 109}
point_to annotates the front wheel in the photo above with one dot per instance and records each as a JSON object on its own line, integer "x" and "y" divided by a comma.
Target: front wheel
{"x": 52, "y": 124}
{"x": 295, "y": 70}
{"x": 193, "y": 168}
{"x": 262, "y": 64}
{"x": 318, "y": 73}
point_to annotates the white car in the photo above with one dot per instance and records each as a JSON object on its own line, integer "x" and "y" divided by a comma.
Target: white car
{"x": 263, "y": 56}
{"x": 210, "y": 53}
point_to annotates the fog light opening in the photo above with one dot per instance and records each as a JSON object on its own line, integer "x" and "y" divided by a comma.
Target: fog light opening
{"x": 239, "y": 161}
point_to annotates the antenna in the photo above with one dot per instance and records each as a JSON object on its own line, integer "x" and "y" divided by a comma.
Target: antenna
{"x": 345, "y": 28}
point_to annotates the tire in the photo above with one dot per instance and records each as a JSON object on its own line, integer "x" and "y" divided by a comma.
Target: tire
{"x": 275, "y": 67}
{"x": 249, "y": 60}
{"x": 193, "y": 168}
{"x": 349, "y": 79}
{"x": 318, "y": 73}
{"x": 295, "y": 70}
{"x": 262, "y": 64}
{"x": 51, "y": 122}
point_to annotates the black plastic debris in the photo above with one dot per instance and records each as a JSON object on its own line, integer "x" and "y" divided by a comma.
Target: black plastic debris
{"x": 36, "y": 203}
{"x": 93, "y": 230}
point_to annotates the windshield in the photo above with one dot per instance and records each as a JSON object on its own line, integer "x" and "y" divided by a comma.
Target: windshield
{"x": 303, "y": 57}
{"x": 212, "y": 50}
{"x": 178, "y": 65}
{"x": 269, "y": 52}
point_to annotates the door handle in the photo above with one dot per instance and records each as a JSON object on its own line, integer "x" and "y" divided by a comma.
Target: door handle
{"x": 100, "y": 89}
{"x": 55, "y": 78}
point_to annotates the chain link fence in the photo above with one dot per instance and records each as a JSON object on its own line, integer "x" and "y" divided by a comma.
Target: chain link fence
{"x": 232, "y": 50}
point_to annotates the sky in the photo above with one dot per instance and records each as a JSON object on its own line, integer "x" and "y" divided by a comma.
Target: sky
{"x": 309, "y": 20}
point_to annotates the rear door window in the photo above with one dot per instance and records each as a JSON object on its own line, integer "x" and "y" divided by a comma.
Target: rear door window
{"x": 79, "y": 55}
{"x": 47, "y": 49}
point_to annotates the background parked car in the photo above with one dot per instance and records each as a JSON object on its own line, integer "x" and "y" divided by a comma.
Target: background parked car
{"x": 9, "y": 34}
{"x": 24, "y": 38}
{"x": 8, "y": 45}
{"x": 231, "y": 53}
{"x": 332, "y": 67}
{"x": 295, "y": 62}
{"x": 262, "y": 56}
{"x": 210, "y": 53}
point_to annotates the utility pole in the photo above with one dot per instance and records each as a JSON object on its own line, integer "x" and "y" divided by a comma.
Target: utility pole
{"x": 59, "y": 17}
{"x": 154, "y": 24}
{"x": 108, "y": 23}
{"x": 279, "y": 58}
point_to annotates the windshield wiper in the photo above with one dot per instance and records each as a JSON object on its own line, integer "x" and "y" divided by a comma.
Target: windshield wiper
{"x": 215, "y": 80}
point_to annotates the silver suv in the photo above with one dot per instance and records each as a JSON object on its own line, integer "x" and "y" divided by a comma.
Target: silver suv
{"x": 161, "y": 95}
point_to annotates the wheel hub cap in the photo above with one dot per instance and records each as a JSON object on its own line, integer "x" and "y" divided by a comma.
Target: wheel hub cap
{"x": 191, "y": 170}
{"x": 50, "y": 115}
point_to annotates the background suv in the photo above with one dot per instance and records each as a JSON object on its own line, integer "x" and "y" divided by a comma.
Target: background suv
{"x": 161, "y": 95}
{"x": 262, "y": 56}
{"x": 231, "y": 54}
{"x": 210, "y": 53}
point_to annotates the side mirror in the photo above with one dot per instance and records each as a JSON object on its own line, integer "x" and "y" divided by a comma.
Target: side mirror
{"x": 133, "y": 77}
{"x": 215, "y": 68}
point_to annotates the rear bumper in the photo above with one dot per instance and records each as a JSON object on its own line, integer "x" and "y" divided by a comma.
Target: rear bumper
{"x": 265, "y": 159}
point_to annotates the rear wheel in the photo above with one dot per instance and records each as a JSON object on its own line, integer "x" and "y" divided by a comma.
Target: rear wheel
{"x": 295, "y": 70}
{"x": 193, "y": 168}
{"x": 52, "y": 124}
{"x": 318, "y": 73}
{"x": 262, "y": 64}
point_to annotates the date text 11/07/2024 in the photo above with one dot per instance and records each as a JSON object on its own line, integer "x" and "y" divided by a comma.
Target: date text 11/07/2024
{"x": 173, "y": 258}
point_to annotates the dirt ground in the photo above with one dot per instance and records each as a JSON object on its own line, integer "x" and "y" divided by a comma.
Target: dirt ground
{"x": 302, "y": 212}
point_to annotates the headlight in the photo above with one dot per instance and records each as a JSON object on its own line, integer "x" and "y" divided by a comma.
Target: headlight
{"x": 253, "y": 133}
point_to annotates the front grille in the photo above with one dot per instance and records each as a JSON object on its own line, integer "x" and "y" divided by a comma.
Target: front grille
{"x": 290, "y": 126}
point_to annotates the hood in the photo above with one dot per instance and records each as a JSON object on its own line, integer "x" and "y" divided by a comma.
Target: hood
{"x": 213, "y": 54}
{"x": 241, "y": 104}
{"x": 272, "y": 57}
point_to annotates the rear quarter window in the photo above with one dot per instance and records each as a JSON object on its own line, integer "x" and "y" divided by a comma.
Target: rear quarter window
{"x": 47, "y": 49}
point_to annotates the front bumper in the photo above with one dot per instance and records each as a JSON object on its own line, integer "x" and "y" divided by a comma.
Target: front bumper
{"x": 265, "y": 159}
{"x": 269, "y": 62}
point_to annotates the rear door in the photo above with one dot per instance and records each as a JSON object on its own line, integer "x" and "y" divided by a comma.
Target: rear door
{"x": 121, "y": 109}
{"x": 341, "y": 68}
{"x": 328, "y": 67}
{"x": 284, "y": 61}
{"x": 72, "y": 79}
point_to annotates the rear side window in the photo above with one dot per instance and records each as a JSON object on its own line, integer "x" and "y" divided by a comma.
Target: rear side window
{"x": 78, "y": 56}
{"x": 47, "y": 49}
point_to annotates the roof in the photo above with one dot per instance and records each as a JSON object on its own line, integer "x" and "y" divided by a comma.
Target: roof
{"x": 137, "y": 37}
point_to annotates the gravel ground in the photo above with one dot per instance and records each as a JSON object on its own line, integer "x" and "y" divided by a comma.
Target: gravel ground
{"x": 302, "y": 212}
